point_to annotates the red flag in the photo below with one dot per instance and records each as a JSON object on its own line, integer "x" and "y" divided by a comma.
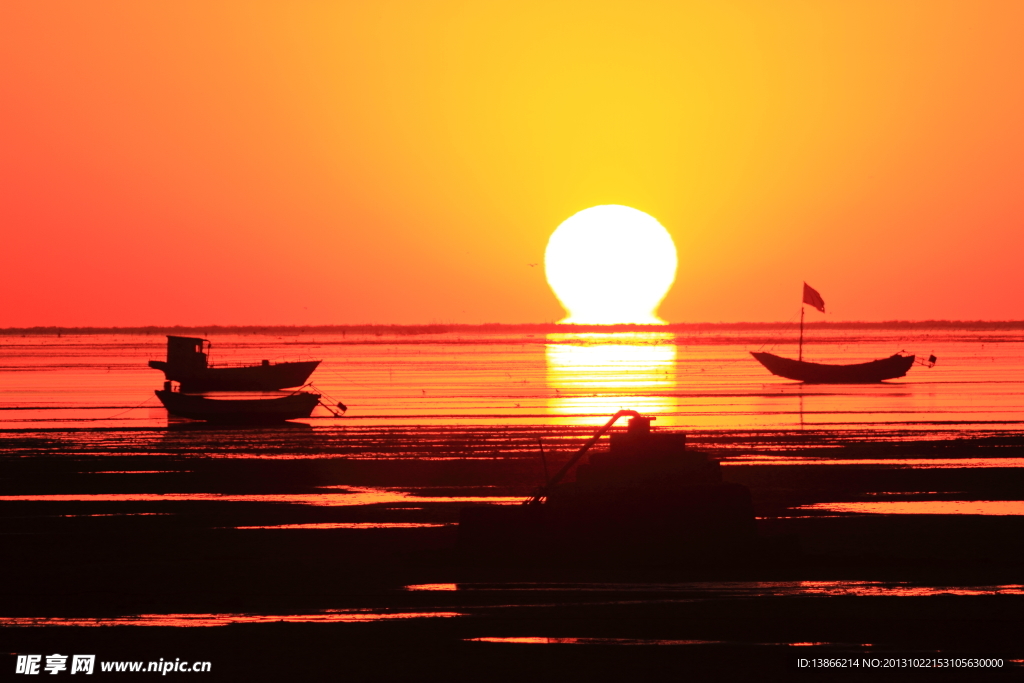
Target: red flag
{"x": 812, "y": 298}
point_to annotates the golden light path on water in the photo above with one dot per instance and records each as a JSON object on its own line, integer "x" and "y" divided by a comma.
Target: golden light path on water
{"x": 601, "y": 374}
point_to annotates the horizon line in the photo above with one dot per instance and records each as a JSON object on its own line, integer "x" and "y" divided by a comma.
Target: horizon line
{"x": 441, "y": 328}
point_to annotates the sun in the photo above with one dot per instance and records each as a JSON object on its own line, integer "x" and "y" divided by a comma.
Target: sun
{"x": 609, "y": 265}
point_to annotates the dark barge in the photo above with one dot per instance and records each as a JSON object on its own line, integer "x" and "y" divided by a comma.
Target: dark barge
{"x": 645, "y": 497}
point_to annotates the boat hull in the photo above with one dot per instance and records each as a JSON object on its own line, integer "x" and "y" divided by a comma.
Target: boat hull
{"x": 261, "y": 410}
{"x": 680, "y": 521}
{"x": 823, "y": 373}
{"x": 268, "y": 377}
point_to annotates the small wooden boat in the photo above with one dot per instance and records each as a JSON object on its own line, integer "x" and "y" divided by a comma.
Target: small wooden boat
{"x": 823, "y": 373}
{"x": 250, "y": 410}
{"x": 188, "y": 364}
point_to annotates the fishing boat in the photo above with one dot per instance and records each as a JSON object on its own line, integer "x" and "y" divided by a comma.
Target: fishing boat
{"x": 188, "y": 364}
{"x": 894, "y": 366}
{"x": 645, "y": 497}
{"x": 246, "y": 410}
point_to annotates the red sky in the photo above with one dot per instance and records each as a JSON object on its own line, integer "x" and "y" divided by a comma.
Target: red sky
{"x": 403, "y": 162}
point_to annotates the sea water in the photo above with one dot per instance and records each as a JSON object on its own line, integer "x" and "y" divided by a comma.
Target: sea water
{"x": 693, "y": 379}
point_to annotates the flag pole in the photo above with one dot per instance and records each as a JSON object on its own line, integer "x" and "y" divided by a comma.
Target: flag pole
{"x": 801, "y": 357}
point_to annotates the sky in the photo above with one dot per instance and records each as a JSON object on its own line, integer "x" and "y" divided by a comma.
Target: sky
{"x": 261, "y": 162}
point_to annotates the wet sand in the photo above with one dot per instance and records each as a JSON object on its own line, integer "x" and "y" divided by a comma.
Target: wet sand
{"x": 190, "y": 543}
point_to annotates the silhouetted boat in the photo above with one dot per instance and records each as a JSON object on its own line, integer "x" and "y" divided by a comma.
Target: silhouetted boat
{"x": 250, "y": 410}
{"x": 188, "y": 364}
{"x": 823, "y": 373}
{"x": 645, "y": 497}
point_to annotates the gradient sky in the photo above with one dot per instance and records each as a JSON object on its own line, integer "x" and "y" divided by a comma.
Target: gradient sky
{"x": 404, "y": 162}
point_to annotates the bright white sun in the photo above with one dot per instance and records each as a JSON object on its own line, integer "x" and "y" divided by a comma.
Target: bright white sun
{"x": 611, "y": 264}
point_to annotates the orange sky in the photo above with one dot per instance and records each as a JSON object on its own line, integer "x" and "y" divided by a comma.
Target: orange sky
{"x": 403, "y": 162}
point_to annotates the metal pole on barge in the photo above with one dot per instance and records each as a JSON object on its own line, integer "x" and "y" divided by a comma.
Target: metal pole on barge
{"x": 543, "y": 492}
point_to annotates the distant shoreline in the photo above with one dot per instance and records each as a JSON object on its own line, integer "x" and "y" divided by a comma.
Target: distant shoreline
{"x": 205, "y": 330}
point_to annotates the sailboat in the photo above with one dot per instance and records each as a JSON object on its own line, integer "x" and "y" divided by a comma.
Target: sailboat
{"x": 894, "y": 366}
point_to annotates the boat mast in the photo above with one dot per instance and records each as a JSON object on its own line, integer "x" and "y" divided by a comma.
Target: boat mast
{"x": 801, "y": 356}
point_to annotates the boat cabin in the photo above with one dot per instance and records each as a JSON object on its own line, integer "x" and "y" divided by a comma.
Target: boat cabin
{"x": 188, "y": 362}
{"x": 642, "y": 458}
{"x": 187, "y": 352}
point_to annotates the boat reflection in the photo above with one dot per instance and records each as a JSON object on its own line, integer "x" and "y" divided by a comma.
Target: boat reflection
{"x": 175, "y": 424}
{"x": 590, "y": 375}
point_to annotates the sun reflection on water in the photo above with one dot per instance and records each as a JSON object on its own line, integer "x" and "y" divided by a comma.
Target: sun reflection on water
{"x": 598, "y": 374}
